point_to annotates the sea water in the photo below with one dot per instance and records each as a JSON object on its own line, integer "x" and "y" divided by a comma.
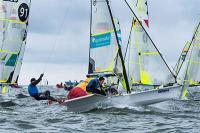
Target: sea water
{"x": 24, "y": 114}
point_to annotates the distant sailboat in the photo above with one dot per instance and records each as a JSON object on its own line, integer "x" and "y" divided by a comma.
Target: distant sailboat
{"x": 191, "y": 57}
{"x": 13, "y": 23}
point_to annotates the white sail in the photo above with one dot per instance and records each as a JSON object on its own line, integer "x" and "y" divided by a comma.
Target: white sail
{"x": 145, "y": 63}
{"x": 142, "y": 8}
{"x": 104, "y": 45}
{"x": 14, "y": 19}
{"x": 132, "y": 60}
{"x": 193, "y": 68}
{"x": 18, "y": 64}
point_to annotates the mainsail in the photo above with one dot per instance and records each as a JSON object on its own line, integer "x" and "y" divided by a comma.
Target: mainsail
{"x": 142, "y": 7}
{"x": 13, "y": 28}
{"x": 145, "y": 63}
{"x": 105, "y": 56}
{"x": 191, "y": 76}
{"x": 184, "y": 54}
{"x": 193, "y": 67}
{"x": 19, "y": 64}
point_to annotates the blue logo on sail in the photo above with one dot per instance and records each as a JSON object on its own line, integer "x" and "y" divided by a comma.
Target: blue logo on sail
{"x": 100, "y": 40}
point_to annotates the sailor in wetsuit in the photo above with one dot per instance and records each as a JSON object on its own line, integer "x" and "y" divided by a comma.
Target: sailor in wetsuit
{"x": 33, "y": 90}
{"x": 95, "y": 86}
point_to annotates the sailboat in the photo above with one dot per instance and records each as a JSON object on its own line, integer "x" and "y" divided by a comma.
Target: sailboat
{"x": 106, "y": 59}
{"x": 14, "y": 16}
{"x": 149, "y": 76}
{"x": 190, "y": 58}
{"x": 105, "y": 55}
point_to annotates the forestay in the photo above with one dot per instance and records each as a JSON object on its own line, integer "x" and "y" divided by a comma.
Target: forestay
{"x": 13, "y": 31}
{"x": 145, "y": 63}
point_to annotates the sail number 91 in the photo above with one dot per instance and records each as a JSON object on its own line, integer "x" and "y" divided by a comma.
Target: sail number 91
{"x": 23, "y": 12}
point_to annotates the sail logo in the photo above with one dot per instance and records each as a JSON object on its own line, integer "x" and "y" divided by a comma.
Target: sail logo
{"x": 100, "y": 40}
{"x": 163, "y": 90}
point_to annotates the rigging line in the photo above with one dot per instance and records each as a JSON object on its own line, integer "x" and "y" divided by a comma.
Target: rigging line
{"x": 194, "y": 35}
{"x": 119, "y": 50}
{"x": 56, "y": 39}
{"x": 175, "y": 77}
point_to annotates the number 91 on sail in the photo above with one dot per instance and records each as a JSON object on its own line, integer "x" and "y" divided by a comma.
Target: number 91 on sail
{"x": 23, "y": 12}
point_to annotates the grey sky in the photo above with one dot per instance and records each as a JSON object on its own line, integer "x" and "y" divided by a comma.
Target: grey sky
{"x": 58, "y": 37}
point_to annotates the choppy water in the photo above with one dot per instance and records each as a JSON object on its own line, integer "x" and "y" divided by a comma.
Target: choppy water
{"x": 27, "y": 115}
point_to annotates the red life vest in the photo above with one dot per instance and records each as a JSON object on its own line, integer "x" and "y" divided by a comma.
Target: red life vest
{"x": 76, "y": 92}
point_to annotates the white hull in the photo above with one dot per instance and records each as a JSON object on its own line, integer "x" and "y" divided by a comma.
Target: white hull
{"x": 85, "y": 103}
{"x": 89, "y": 102}
{"x": 147, "y": 97}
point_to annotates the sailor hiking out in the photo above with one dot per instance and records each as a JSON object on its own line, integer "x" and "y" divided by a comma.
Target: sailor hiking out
{"x": 33, "y": 90}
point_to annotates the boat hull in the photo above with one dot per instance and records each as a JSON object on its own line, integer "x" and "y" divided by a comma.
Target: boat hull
{"x": 147, "y": 97}
{"x": 84, "y": 103}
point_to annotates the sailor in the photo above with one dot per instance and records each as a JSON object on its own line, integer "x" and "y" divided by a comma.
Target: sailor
{"x": 95, "y": 86}
{"x": 33, "y": 90}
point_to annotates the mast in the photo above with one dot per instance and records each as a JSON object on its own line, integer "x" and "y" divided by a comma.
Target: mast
{"x": 90, "y": 65}
{"x": 175, "y": 77}
{"x": 119, "y": 51}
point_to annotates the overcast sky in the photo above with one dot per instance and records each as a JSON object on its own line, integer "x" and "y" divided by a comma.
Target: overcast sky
{"x": 58, "y": 37}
